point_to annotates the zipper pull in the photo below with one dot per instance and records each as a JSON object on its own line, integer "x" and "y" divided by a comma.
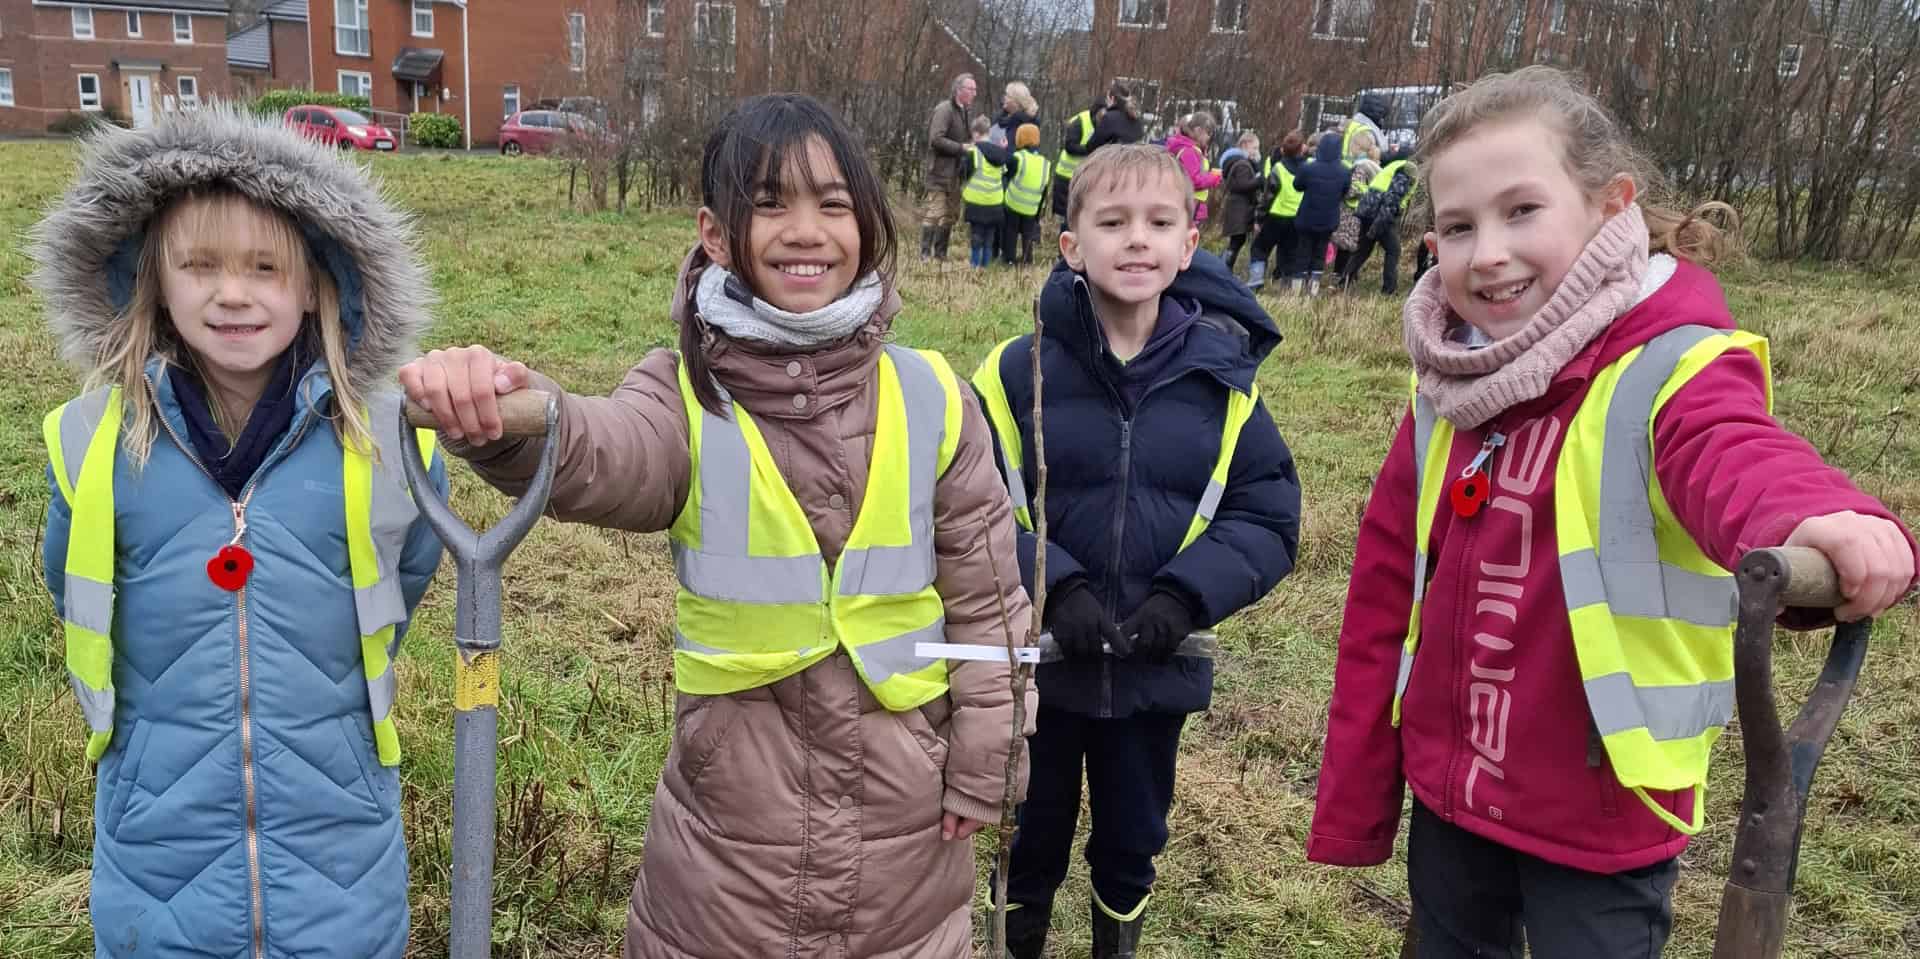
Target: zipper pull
{"x": 240, "y": 523}
{"x": 1470, "y": 490}
{"x": 230, "y": 566}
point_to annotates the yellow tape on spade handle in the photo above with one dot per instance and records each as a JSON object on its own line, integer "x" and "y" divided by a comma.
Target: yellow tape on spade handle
{"x": 476, "y": 684}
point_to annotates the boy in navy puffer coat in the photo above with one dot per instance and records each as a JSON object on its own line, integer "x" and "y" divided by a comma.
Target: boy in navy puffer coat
{"x": 1172, "y": 504}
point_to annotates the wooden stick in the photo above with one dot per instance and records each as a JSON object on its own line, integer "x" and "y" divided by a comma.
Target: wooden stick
{"x": 522, "y": 413}
{"x": 1021, "y": 672}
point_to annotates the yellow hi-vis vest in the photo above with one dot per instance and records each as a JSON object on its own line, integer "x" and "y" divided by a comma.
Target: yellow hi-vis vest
{"x": 1383, "y": 181}
{"x": 984, "y": 187}
{"x": 757, "y": 602}
{"x": 1068, "y": 162}
{"x": 1028, "y": 184}
{"x": 1199, "y": 194}
{"x": 1652, "y": 614}
{"x": 993, "y": 399}
{"x": 1286, "y": 196}
{"x": 81, "y": 437}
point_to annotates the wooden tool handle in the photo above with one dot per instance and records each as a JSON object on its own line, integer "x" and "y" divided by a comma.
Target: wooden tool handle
{"x": 522, "y": 413}
{"x": 1811, "y": 580}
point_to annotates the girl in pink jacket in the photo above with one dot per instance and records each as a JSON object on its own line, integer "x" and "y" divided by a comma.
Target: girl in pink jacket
{"x": 1500, "y": 630}
{"x": 1188, "y": 144}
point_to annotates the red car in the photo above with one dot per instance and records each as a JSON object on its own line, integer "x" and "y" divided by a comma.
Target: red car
{"x": 338, "y": 126}
{"x": 538, "y": 131}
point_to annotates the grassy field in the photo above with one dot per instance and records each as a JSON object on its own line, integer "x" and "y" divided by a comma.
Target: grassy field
{"x": 588, "y": 691}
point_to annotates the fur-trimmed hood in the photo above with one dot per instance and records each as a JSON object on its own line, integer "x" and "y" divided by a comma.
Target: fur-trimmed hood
{"x": 87, "y": 247}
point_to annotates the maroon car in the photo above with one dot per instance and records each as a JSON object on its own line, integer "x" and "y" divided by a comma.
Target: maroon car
{"x": 538, "y": 131}
{"x": 341, "y": 127}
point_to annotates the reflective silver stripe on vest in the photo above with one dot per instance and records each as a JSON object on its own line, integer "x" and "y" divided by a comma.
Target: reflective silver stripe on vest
{"x": 1016, "y": 479}
{"x": 95, "y": 704}
{"x": 890, "y": 657}
{"x": 391, "y": 513}
{"x": 78, "y": 422}
{"x": 1668, "y": 712}
{"x": 899, "y": 570}
{"x": 1210, "y": 500}
{"x": 1627, "y": 573}
{"x": 722, "y": 569}
{"x": 87, "y": 603}
{"x": 1424, "y": 418}
{"x": 383, "y": 689}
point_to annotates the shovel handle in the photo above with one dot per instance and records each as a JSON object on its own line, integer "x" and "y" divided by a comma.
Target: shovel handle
{"x": 522, "y": 413}
{"x": 1810, "y": 579}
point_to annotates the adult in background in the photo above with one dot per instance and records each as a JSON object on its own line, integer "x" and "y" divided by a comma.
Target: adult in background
{"x": 1388, "y": 194}
{"x": 1121, "y": 122}
{"x": 1017, "y": 106}
{"x": 1240, "y": 170}
{"x": 1362, "y": 133}
{"x": 1076, "y": 141}
{"x": 948, "y": 143}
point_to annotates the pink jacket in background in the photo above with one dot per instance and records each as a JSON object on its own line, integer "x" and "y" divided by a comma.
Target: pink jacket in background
{"x": 1495, "y": 729}
{"x": 1192, "y": 159}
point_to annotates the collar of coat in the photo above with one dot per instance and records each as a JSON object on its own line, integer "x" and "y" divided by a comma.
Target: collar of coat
{"x": 1230, "y": 338}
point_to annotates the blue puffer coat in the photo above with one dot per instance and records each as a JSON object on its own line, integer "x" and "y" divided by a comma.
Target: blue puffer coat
{"x": 1324, "y": 183}
{"x": 241, "y": 809}
{"x": 1125, "y": 478}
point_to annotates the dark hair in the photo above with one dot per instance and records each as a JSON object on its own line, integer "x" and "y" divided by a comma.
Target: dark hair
{"x": 758, "y": 144}
{"x": 1293, "y": 144}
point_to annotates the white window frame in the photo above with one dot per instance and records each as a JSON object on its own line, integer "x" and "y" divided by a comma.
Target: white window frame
{"x": 82, "y": 23}
{"x": 364, "y": 82}
{"x": 6, "y": 86}
{"x": 80, "y": 85}
{"x": 182, "y": 35}
{"x": 704, "y": 37}
{"x": 1515, "y": 32}
{"x": 1246, "y": 13}
{"x": 1335, "y": 22}
{"x": 1557, "y": 17}
{"x": 1798, "y": 57}
{"x": 1421, "y": 34}
{"x": 422, "y": 7}
{"x": 576, "y": 42}
{"x": 1321, "y": 100}
{"x": 188, "y": 100}
{"x": 656, "y": 18}
{"x": 1147, "y": 14}
{"x": 361, "y": 28}
{"x": 509, "y": 94}
{"x": 133, "y": 23}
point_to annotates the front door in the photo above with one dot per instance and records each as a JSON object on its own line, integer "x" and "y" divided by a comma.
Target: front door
{"x": 140, "y": 100}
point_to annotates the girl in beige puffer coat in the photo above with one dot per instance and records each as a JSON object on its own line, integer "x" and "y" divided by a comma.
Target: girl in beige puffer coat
{"x": 797, "y": 816}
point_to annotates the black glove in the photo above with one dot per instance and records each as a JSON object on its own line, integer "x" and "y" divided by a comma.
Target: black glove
{"x": 1158, "y": 626}
{"x": 1079, "y": 623}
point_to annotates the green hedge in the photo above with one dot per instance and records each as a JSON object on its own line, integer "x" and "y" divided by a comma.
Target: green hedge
{"x": 434, "y": 130}
{"x": 84, "y": 122}
{"x": 274, "y": 103}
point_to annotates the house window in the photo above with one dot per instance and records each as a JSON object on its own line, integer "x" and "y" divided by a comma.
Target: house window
{"x": 576, "y": 41}
{"x": 1516, "y": 27}
{"x": 133, "y": 23}
{"x": 82, "y": 23}
{"x": 1230, "y": 16}
{"x": 510, "y": 99}
{"x": 6, "y": 87}
{"x": 1342, "y": 19}
{"x": 1422, "y": 22}
{"x": 656, "y": 18}
{"x": 1146, "y": 93}
{"x": 713, "y": 29}
{"x": 1144, "y": 14}
{"x": 356, "y": 83}
{"x": 182, "y": 28}
{"x": 1789, "y": 61}
{"x": 423, "y": 18}
{"x": 352, "y": 31}
{"x": 1557, "y": 17}
{"x": 1738, "y": 56}
{"x": 189, "y": 92}
{"x": 1314, "y": 116}
{"x": 89, "y": 91}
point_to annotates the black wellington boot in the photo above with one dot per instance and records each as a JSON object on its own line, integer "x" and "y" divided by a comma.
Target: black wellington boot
{"x": 1027, "y": 931}
{"x": 1114, "y": 938}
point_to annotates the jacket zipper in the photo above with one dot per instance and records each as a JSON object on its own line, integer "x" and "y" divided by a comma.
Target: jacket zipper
{"x": 1113, "y": 565}
{"x": 246, "y": 705}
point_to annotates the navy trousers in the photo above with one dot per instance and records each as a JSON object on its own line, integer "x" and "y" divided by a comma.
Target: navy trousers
{"x": 1129, "y": 765}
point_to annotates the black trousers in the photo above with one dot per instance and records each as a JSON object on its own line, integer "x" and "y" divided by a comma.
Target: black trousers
{"x": 1234, "y": 243}
{"x": 1129, "y": 767}
{"x": 1390, "y": 266}
{"x": 1473, "y": 897}
{"x": 1019, "y": 230}
{"x": 1277, "y": 245}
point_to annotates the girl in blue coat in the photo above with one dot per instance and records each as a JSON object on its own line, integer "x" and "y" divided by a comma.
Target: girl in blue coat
{"x": 231, "y": 543}
{"x": 1323, "y": 185}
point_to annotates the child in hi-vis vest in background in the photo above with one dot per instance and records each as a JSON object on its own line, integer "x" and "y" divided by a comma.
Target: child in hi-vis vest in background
{"x": 1538, "y": 634}
{"x": 832, "y": 502}
{"x": 231, "y": 542}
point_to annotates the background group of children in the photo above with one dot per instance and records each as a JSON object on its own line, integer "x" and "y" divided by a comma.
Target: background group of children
{"x": 236, "y": 297}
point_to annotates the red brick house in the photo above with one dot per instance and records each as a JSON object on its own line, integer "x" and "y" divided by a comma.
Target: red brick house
{"x": 132, "y": 59}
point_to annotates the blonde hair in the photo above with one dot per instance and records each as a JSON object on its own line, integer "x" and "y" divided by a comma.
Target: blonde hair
{"x": 1137, "y": 164}
{"x": 1595, "y": 151}
{"x": 142, "y": 331}
{"x": 1024, "y": 97}
{"x": 1197, "y": 122}
{"x": 980, "y": 126}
